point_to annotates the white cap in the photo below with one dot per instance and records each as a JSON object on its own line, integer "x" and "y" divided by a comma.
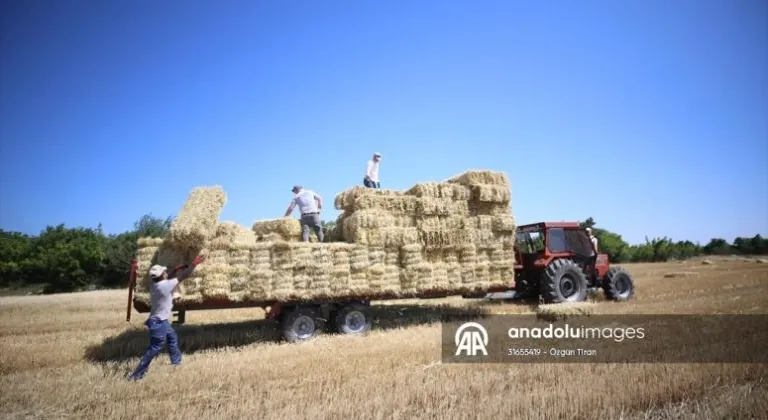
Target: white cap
{"x": 156, "y": 271}
{"x": 377, "y": 154}
{"x": 589, "y": 229}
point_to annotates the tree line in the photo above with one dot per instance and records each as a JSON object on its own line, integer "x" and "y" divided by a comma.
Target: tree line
{"x": 62, "y": 259}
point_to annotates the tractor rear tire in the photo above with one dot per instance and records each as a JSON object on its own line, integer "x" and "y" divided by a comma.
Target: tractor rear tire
{"x": 563, "y": 281}
{"x": 618, "y": 285}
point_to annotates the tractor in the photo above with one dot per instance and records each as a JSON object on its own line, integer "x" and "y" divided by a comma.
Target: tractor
{"x": 556, "y": 263}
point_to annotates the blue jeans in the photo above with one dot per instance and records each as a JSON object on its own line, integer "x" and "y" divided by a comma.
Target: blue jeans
{"x": 159, "y": 333}
{"x": 371, "y": 184}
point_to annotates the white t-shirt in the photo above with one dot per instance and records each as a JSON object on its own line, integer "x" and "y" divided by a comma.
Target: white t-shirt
{"x": 305, "y": 199}
{"x": 373, "y": 170}
{"x": 594, "y": 242}
{"x": 162, "y": 297}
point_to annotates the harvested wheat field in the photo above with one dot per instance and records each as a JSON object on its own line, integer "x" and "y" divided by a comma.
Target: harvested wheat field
{"x": 65, "y": 356}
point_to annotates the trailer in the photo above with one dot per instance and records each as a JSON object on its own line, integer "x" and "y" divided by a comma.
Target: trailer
{"x": 555, "y": 262}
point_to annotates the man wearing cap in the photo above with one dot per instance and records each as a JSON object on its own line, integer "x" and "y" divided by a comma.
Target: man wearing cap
{"x": 310, "y": 205}
{"x": 371, "y": 179}
{"x": 160, "y": 331}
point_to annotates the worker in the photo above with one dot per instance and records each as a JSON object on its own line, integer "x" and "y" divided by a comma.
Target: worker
{"x": 160, "y": 331}
{"x": 310, "y": 205}
{"x": 371, "y": 179}
{"x": 593, "y": 239}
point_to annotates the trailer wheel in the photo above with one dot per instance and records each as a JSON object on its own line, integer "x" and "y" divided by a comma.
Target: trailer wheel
{"x": 618, "y": 285}
{"x": 563, "y": 281}
{"x": 302, "y": 324}
{"x": 354, "y": 318}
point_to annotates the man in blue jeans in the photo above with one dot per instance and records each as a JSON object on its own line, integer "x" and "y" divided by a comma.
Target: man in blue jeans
{"x": 160, "y": 331}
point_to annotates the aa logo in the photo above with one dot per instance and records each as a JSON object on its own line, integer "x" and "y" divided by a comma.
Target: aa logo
{"x": 471, "y": 338}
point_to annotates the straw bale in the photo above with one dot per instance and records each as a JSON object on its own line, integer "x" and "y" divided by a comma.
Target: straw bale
{"x": 285, "y": 228}
{"x": 504, "y": 223}
{"x": 376, "y": 256}
{"x": 429, "y": 206}
{"x": 395, "y": 237}
{"x": 369, "y": 219}
{"x": 359, "y": 260}
{"x": 439, "y": 279}
{"x": 358, "y": 282}
{"x": 558, "y": 311}
{"x": 404, "y": 221}
{"x": 491, "y": 194}
{"x": 198, "y": 219}
{"x": 442, "y": 238}
{"x": 411, "y": 255}
{"x": 216, "y": 286}
{"x": 346, "y": 200}
{"x": 340, "y": 280}
{"x": 261, "y": 282}
{"x": 468, "y": 254}
{"x": 441, "y": 223}
{"x": 477, "y": 208}
{"x": 149, "y": 242}
{"x": 478, "y": 177}
{"x": 394, "y": 203}
{"x": 392, "y": 258}
{"x": 453, "y": 271}
{"x": 425, "y": 189}
{"x": 391, "y": 279}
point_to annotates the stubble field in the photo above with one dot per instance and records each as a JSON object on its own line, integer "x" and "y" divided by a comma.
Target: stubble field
{"x": 66, "y": 356}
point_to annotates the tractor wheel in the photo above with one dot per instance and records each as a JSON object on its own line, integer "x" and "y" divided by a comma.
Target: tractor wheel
{"x": 302, "y": 324}
{"x": 354, "y": 319}
{"x": 618, "y": 285}
{"x": 563, "y": 281}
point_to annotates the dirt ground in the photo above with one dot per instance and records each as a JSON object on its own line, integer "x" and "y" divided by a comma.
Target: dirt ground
{"x": 65, "y": 356}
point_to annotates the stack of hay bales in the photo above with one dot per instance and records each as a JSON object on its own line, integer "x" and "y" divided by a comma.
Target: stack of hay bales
{"x": 455, "y": 236}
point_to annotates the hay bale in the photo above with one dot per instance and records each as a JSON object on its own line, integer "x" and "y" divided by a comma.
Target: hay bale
{"x": 761, "y": 261}
{"x": 198, "y": 219}
{"x": 479, "y": 177}
{"x": 680, "y": 274}
{"x": 286, "y": 229}
{"x": 491, "y": 194}
{"x": 555, "y": 311}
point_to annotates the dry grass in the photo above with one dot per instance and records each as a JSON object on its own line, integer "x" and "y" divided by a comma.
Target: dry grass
{"x": 64, "y": 357}
{"x": 556, "y": 311}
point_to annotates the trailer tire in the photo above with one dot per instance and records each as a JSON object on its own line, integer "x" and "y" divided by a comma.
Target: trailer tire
{"x": 563, "y": 281}
{"x": 353, "y": 319}
{"x": 618, "y": 285}
{"x": 302, "y": 324}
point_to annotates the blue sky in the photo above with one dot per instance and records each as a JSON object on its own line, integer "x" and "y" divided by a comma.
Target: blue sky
{"x": 650, "y": 116}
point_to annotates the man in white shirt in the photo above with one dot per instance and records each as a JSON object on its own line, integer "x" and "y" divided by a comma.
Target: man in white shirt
{"x": 593, "y": 239}
{"x": 372, "y": 172}
{"x": 310, "y": 205}
{"x": 160, "y": 331}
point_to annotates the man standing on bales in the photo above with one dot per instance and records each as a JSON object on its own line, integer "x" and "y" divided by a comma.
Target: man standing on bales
{"x": 592, "y": 238}
{"x": 310, "y": 205}
{"x": 371, "y": 179}
{"x": 160, "y": 331}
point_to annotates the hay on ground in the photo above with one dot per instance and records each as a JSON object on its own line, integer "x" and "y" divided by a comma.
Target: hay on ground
{"x": 680, "y": 274}
{"x": 556, "y": 311}
{"x": 198, "y": 219}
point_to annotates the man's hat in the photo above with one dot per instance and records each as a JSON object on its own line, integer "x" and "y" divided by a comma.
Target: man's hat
{"x": 296, "y": 188}
{"x": 156, "y": 271}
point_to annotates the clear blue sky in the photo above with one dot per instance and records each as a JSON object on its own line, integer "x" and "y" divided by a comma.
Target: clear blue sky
{"x": 650, "y": 116}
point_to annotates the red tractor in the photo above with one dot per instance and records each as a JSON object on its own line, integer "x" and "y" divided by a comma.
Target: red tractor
{"x": 557, "y": 262}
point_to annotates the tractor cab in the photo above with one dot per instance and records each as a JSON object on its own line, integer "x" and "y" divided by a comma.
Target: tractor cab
{"x": 557, "y": 261}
